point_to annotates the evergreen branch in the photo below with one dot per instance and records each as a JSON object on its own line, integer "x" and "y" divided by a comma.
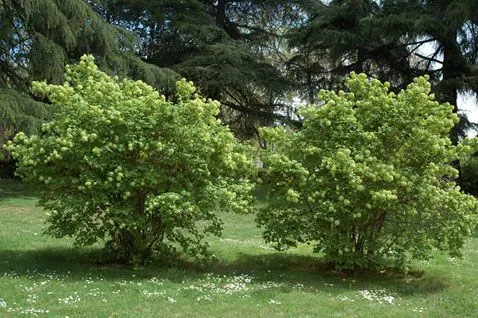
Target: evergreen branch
{"x": 431, "y": 59}
{"x": 253, "y": 28}
{"x": 433, "y": 56}
{"x": 473, "y": 69}
{"x": 421, "y": 42}
{"x": 263, "y": 114}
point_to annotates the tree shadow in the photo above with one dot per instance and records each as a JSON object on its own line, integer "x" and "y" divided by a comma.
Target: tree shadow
{"x": 279, "y": 270}
{"x": 15, "y": 189}
{"x": 314, "y": 273}
{"x": 68, "y": 264}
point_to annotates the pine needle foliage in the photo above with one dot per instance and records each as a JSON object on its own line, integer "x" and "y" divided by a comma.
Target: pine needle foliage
{"x": 220, "y": 45}
{"x": 37, "y": 39}
{"x": 386, "y": 39}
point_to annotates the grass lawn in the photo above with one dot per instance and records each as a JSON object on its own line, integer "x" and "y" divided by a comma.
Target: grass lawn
{"x": 42, "y": 276}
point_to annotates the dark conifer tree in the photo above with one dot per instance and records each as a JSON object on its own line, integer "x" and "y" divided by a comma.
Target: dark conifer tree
{"x": 386, "y": 39}
{"x": 37, "y": 39}
{"x": 223, "y": 46}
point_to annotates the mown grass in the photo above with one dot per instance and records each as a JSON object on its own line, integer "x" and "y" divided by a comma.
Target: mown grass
{"x": 42, "y": 276}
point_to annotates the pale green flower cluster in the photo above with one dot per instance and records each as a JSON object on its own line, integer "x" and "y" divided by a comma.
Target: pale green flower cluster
{"x": 369, "y": 177}
{"x": 120, "y": 162}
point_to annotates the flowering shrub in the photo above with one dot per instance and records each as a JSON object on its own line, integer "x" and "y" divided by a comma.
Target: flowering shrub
{"x": 120, "y": 162}
{"x": 368, "y": 178}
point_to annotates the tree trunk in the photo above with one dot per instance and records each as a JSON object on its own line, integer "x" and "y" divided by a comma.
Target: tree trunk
{"x": 451, "y": 69}
{"x": 221, "y": 13}
{"x": 448, "y": 86}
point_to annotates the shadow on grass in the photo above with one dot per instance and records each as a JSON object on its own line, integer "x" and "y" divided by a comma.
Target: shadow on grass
{"x": 15, "y": 189}
{"x": 287, "y": 270}
{"x": 314, "y": 273}
{"x": 70, "y": 263}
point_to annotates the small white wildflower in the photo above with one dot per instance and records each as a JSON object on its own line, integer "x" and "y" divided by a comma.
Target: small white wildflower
{"x": 274, "y": 302}
{"x": 33, "y": 311}
{"x": 3, "y": 303}
{"x": 270, "y": 284}
{"x": 377, "y": 295}
{"x": 345, "y": 298}
{"x": 388, "y": 299}
{"x": 204, "y": 298}
{"x": 421, "y": 309}
{"x": 152, "y": 293}
{"x": 32, "y": 298}
{"x": 366, "y": 294}
{"x": 156, "y": 281}
{"x": 249, "y": 243}
{"x": 171, "y": 300}
{"x": 75, "y": 298}
{"x": 95, "y": 292}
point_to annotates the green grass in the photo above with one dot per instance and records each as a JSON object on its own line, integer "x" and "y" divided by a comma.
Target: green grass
{"x": 42, "y": 276}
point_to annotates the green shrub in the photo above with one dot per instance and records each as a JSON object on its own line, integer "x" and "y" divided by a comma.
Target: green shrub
{"x": 121, "y": 163}
{"x": 368, "y": 178}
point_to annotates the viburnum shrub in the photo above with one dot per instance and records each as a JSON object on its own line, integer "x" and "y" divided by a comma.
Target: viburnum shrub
{"x": 121, "y": 163}
{"x": 369, "y": 178}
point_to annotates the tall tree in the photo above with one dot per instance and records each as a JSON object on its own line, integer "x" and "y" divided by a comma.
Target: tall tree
{"x": 335, "y": 39}
{"x": 452, "y": 26}
{"x": 37, "y": 39}
{"x": 386, "y": 39}
{"x": 223, "y": 46}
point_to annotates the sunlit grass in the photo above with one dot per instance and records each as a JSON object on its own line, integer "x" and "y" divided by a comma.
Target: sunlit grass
{"x": 43, "y": 276}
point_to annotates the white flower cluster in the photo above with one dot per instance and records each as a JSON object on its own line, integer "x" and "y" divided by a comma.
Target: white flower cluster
{"x": 253, "y": 243}
{"x": 75, "y": 298}
{"x": 379, "y": 295}
{"x": 28, "y": 311}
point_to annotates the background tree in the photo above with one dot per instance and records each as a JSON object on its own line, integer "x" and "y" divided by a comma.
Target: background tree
{"x": 258, "y": 58}
{"x": 223, "y": 46}
{"x": 387, "y": 40}
{"x": 37, "y": 39}
{"x": 335, "y": 39}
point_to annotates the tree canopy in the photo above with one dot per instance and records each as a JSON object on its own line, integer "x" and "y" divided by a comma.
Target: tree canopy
{"x": 225, "y": 47}
{"x": 122, "y": 164}
{"x": 368, "y": 179}
{"x": 259, "y": 58}
{"x": 389, "y": 40}
{"x": 37, "y": 39}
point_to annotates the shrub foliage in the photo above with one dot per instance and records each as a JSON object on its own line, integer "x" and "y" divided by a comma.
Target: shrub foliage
{"x": 121, "y": 163}
{"x": 368, "y": 179}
